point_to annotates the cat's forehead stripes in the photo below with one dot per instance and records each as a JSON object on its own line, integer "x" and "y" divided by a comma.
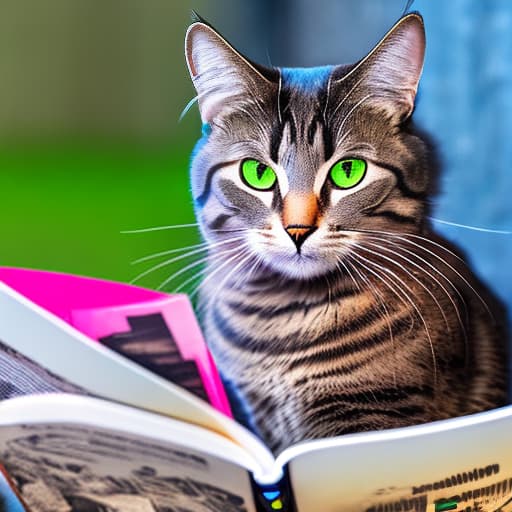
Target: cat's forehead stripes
{"x": 300, "y": 140}
{"x": 300, "y": 122}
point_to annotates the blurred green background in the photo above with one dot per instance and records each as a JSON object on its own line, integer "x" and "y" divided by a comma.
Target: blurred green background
{"x": 90, "y": 143}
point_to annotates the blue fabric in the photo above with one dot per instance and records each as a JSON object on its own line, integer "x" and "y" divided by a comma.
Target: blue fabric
{"x": 465, "y": 102}
{"x": 8, "y": 500}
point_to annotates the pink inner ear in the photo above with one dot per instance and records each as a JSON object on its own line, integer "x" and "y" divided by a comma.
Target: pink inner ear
{"x": 202, "y": 47}
{"x": 415, "y": 48}
{"x": 189, "y": 45}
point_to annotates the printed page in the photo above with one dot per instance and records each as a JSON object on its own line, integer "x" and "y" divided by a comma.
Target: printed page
{"x": 67, "y": 452}
{"x": 464, "y": 464}
{"x": 67, "y": 355}
{"x": 20, "y": 376}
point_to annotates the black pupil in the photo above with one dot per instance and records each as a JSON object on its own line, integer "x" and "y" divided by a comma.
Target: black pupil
{"x": 260, "y": 170}
{"x": 347, "y": 167}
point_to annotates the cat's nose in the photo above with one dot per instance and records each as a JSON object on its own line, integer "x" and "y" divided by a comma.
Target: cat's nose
{"x": 300, "y": 216}
{"x": 298, "y": 233}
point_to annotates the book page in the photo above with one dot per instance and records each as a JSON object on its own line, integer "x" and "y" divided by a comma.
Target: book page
{"x": 65, "y": 353}
{"x": 19, "y": 376}
{"x": 464, "y": 464}
{"x": 67, "y": 452}
{"x": 154, "y": 329}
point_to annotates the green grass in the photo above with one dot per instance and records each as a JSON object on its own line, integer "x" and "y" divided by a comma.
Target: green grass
{"x": 63, "y": 209}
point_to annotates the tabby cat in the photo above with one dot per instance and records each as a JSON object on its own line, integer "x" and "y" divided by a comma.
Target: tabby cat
{"x": 329, "y": 303}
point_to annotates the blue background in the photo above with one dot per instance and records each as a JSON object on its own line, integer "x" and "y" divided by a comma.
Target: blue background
{"x": 466, "y": 104}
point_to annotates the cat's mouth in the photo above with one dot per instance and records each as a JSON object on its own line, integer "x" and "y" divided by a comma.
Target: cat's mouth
{"x": 300, "y": 254}
{"x": 306, "y": 267}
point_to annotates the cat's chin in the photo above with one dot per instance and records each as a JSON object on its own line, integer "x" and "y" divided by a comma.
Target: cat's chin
{"x": 298, "y": 267}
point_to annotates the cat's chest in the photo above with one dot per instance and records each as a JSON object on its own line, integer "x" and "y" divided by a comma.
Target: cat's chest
{"x": 280, "y": 339}
{"x": 274, "y": 328}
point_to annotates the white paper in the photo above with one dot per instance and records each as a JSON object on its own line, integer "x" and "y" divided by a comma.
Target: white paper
{"x": 59, "y": 348}
{"x": 466, "y": 461}
{"x": 66, "y": 449}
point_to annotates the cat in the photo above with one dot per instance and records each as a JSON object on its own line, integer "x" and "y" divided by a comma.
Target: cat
{"x": 329, "y": 303}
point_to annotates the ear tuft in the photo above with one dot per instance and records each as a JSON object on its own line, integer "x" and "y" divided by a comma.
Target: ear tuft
{"x": 196, "y": 17}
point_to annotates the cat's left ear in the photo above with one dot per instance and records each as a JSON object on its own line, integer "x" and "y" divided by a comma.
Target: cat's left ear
{"x": 389, "y": 75}
{"x": 223, "y": 78}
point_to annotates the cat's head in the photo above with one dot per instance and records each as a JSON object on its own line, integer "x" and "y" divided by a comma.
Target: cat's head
{"x": 296, "y": 165}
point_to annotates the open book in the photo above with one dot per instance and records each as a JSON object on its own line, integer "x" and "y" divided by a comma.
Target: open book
{"x": 86, "y": 425}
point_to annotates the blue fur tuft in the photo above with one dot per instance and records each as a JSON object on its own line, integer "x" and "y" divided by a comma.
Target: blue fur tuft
{"x": 306, "y": 79}
{"x": 206, "y": 129}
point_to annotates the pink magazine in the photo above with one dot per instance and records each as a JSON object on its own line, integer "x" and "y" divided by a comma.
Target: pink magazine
{"x": 156, "y": 330}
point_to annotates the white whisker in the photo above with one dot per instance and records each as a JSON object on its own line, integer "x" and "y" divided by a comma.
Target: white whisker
{"x": 191, "y": 265}
{"x": 159, "y": 228}
{"x": 412, "y": 235}
{"x": 200, "y": 274}
{"x": 205, "y": 245}
{"x": 403, "y": 237}
{"x": 352, "y": 278}
{"x": 324, "y": 112}
{"x": 380, "y": 299}
{"x": 188, "y": 106}
{"x": 410, "y": 274}
{"x": 279, "y": 98}
{"x": 182, "y": 270}
{"x": 166, "y": 263}
{"x": 166, "y": 253}
{"x": 451, "y": 267}
{"x": 350, "y": 112}
{"x": 472, "y": 228}
{"x": 427, "y": 263}
{"x": 197, "y": 275}
{"x": 346, "y": 96}
{"x": 247, "y": 256}
{"x": 412, "y": 303}
{"x": 245, "y": 277}
{"x": 329, "y": 295}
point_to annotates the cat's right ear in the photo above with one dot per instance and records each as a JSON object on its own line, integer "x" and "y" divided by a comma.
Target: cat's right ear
{"x": 223, "y": 78}
{"x": 390, "y": 73}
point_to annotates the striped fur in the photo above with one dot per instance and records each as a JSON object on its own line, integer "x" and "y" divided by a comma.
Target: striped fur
{"x": 373, "y": 321}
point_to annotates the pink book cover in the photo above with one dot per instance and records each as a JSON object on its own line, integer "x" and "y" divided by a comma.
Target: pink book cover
{"x": 154, "y": 329}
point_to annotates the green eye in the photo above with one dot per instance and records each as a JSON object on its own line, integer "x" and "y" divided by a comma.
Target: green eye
{"x": 257, "y": 175}
{"x": 347, "y": 173}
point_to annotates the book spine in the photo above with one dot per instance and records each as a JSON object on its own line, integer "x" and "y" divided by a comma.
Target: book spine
{"x": 274, "y": 497}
